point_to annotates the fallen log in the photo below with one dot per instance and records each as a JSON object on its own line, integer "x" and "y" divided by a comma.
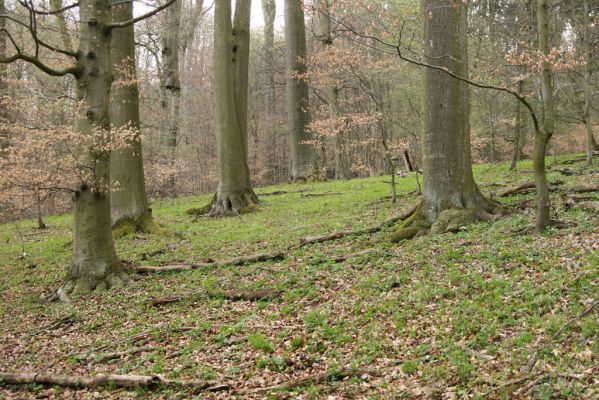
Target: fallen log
{"x": 319, "y": 194}
{"x": 233, "y": 295}
{"x": 244, "y": 260}
{"x": 589, "y": 205}
{"x": 315, "y": 379}
{"x": 119, "y": 381}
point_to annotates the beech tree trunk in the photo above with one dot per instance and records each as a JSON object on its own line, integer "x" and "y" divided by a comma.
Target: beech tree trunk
{"x": 298, "y": 115}
{"x": 231, "y": 61}
{"x": 269, "y": 10}
{"x": 590, "y": 139}
{"x": 128, "y": 197}
{"x": 325, "y": 37}
{"x": 95, "y": 263}
{"x": 450, "y": 197}
{"x": 543, "y": 135}
{"x": 171, "y": 86}
{"x": 3, "y": 84}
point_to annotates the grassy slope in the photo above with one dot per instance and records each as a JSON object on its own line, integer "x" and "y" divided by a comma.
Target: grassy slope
{"x": 453, "y": 314}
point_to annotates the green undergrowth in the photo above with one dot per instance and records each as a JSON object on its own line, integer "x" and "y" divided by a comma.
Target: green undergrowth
{"x": 447, "y": 316}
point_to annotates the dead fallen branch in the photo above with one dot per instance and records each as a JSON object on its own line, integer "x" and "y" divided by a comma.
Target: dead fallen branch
{"x": 119, "y": 381}
{"x": 535, "y": 356}
{"x": 315, "y": 379}
{"x": 117, "y": 354}
{"x": 66, "y": 320}
{"x": 244, "y": 260}
{"x": 319, "y": 194}
{"x": 589, "y": 205}
{"x": 345, "y": 257}
{"x": 233, "y": 295}
{"x": 365, "y": 231}
{"x": 275, "y": 193}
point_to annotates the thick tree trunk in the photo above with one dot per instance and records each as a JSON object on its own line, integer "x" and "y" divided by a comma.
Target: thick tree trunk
{"x": 298, "y": 116}
{"x": 128, "y": 198}
{"x": 171, "y": 86}
{"x": 95, "y": 263}
{"x": 4, "y": 114}
{"x": 543, "y": 135}
{"x": 269, "y": 10}
{"x": 231, "y": 60}
{"x": 450, "y": 196}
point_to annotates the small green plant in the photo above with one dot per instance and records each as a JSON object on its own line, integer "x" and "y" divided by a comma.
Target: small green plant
{"x": 260, "y": 342}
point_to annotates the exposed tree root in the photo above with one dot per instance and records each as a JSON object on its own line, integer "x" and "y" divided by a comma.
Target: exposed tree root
{"x": 244, "y": 260}
{"x": 448, "y": 220}
{"x": 233, "y": 295}
{"x": 223, "y": 205}
{"x": 145, "y": 223}
{"x": 119, "y": 381}
{"x": 115, "y": 277}
{"x": 365, "y": 231}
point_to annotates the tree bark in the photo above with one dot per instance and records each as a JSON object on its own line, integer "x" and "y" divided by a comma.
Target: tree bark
{"x": 543, "y": 135}
{"x": 95, "y": 263}
{"x": 171, "y": 86}
{"x": 590, "y": 139}
{"x": 298, "y": 115}
{"x": 4, "y": 114}
{"x": 129, "y": 203}
{"x": 56, "y": 5}
{"x": 517, "y": 130}
{"x": 325, "y": 37}
{"x": 231, "y": 61}
{"x": 450, "y": 196}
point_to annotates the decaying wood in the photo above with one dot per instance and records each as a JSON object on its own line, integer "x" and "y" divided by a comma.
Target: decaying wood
{"x": 117, "y": 354}
{"x": 365, "y": 231}
{"x": 589, "y": 205}
{"x": 315, "y": 379}
{"x": 233, "y": 295}
{"x": 581, "y": 189}
{"x": 319, "y": 194}
{"x": 529, "y": 187}
{"x": 275, "y": 193}
{"x": 244, "y": 260}
{"x": 119, "y": 381}
{"x": 522, "y": 188}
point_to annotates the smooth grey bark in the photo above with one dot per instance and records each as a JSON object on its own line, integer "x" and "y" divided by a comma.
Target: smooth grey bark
{"x": 450, "y": 197}
{"x": 188, "y": 34}
{"x": 171, "y": 78}
{"x": 95, "y": 263}
{"x": 231, "y": 61}
{"x": 547, "y": 128}
{"x": 56, "y": 5}
{"x": 325, "y": 38}
{"x": 269, "y": 10}
{"x": 298, "y": 115}
{"x": 129, "y": 203}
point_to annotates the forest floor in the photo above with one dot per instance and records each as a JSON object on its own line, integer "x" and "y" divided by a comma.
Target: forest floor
{"x": 452, "y": 316}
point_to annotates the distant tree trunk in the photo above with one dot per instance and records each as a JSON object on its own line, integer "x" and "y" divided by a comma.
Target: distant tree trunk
{"x": 587, "y": 85}
{"x": 38, "y": 211}
{"x": 231, "y": 61}
{"x": 269, "y": 10}
{"x": 190, "y": 30}
{"x": 543, "y": 135}
{"x": 450, "y": 197}
{"x": 65, "y": 37}
{"x": 298, "y": 116}
{"x": 325, "y": 37}
{"x": 3, "y": 76}
{"x": 517, "y": 130}
{"x": 95, "y": 263}
{"x": 171, "y": 85}
{"x": 129, "y": 203}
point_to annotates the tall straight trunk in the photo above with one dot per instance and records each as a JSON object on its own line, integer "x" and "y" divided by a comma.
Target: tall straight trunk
{"x": 450, "y": 196}
{"x": 590, "y": 139}
{"x": 325, "y": 37}
{"x": 543, "y": 135}
{"x": 298, "y": 115}
{"x": 517, "y": 130}
{"x": 171, "y": 84}
{"x": 4, "y": 115}
{"x": 269, "y": 10}
{"x": 65, "y": 37}
{"x": 189, "y": 32}
{"x": 231, "y": 61}
{"x": 95, "y": 263}
{"x": 128, "y": 198}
